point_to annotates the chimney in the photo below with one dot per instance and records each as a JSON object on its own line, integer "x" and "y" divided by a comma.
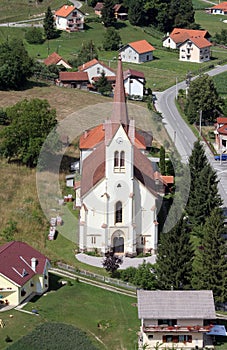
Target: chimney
{"x": 33, "y": 264}
{"x": 85, "y": 134}
{"x": 66, "y": 6}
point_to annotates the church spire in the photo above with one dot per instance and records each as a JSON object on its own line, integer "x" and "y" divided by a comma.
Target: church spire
{"x": 119, "y": 113}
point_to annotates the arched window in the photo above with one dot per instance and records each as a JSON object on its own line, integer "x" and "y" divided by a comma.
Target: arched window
{"x": 118, "y": 212}
{"x": 122, "y": 159}
{"x": 116, "y": 159}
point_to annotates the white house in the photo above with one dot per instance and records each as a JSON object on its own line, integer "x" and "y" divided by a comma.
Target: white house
{"x": 94, "y": 68}
{"x": 69, "y": 18}
{"x": 175, "y": 319}
{"x": 221, "y": 134}
{"x": 137, "y": 52}
{"x": 180, "y": 35}
{"x": 195, "y": 50}
{"x": 219, "y": 9}
{"x": 57, "y": 60}
{"x": 23, "y": 272}
{"x": 119, "y": 190}
{"x": 134, "y": 82}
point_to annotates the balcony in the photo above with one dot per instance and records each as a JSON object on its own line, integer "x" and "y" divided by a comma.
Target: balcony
{"x": 174, "y": 329}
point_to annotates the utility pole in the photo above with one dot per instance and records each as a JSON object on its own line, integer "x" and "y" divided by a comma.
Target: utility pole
{"x": 200, "y": 122}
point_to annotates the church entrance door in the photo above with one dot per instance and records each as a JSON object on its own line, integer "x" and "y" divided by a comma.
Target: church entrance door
{"x": 118, "y": 245}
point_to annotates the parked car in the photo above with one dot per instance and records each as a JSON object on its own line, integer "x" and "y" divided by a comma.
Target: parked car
{"x": 221, "y": 157}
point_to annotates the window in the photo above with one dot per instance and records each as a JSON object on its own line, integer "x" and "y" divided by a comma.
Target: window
{"x": 98, "y": 70}
{"x": 118, "y": 212}
{"x": 93, "y": 240}
{"x": 116, "y": 159}
{"x": 177, "y": 338}
{"x": 169, "y": 322}
{"x": 119, "y": 161}
{"x": 142, "y": 240}
{"x": 148, "y": 57}
{"x": 150, "y": 336}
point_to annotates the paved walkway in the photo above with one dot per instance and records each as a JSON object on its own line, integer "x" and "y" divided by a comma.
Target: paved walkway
{"x": 127, "y": 262}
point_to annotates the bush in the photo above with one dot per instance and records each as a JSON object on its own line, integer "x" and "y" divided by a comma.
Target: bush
{"x": 34, "y": 36}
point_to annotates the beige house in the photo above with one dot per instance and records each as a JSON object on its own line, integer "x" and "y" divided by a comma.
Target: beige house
{"x": 195, "y": 50}
{"x": 175, "y": 318}
{"x": 180, "y": 35}
{"x": 23, "y": 272}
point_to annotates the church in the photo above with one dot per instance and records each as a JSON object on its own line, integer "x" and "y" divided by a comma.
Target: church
{"x": 119, "y": 192}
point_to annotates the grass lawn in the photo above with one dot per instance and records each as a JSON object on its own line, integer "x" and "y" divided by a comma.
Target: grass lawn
{"x": 212, "y": 23}
{"x": 82, "y": 306}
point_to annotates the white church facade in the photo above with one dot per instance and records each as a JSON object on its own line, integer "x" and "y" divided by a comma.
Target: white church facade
{"x": 119, "y": 190}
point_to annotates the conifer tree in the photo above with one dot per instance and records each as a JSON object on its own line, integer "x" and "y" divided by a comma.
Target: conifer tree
{"x": 210, "y": 265}
{"x": 102, "y": 85}
{"x": 48, "y": 25}
{"x": 204, "y": 196}
{"x": 174, "y": 260}
{"x": 108, "y": 17}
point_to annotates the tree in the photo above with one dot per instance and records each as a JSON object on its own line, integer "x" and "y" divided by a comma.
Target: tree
{"x": 112, "y": 39}
{"x": 108, "y": 16}
{"x": 135, "y": 12}
{"x": 210, "y": 266}
{"x": 111, "y": 262}
{"x": 208, "y": 102}
{"x": 162, "y": 161}
{"x": 204, "y": 196}
{"x": 87, "y": 53}
{"x": 181, "y": 13}
{"x": 3, "y": 117}
{"x": 174, "y": 260}
{"x": 143, "y": 276}
{"x": 221, "y": 38}
{"x": 48, "y": 25}
{"x": 15, "y": 65}
{"x": 30, "y": 123}
{"x": 34, "y": 35}
{"x": 102, "y": 85}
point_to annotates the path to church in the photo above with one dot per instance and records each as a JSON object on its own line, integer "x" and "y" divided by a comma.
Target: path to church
{"x": 127, "y": 262}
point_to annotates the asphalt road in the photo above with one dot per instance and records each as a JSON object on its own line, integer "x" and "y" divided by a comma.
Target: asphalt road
{"x": 182, "y": 135}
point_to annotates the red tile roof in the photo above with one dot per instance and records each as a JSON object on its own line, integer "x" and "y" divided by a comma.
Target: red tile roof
{"x": 200, "y": 42}
{"x": 168, "y": 179}
{"x": 222, "y": 120}
{"x": 110, "y": 78}
{"x": 133, "y": 73}
{"x": 73, "y": 76}
{"x": 15, "y": 262}
{"x": 98, "y": 6}
{"x": 179, "y": 35}
{"x": 221, "y": 6}
{"x": 141, "y": 46}
{"x": 223, "y": 129}
{"x": 91, "y": 63}
{"x": 65, "y": 10}
{"x": 54, "y": 58}
{"x": 93, "y": 137}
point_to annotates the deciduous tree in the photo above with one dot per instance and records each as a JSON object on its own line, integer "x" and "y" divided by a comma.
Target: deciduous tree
{"x": 30, "y": 123}
{"x": 111, "y": 262}
{"x": 15, "y": 65}
{"x": 112, "y": 39}
{"x": 87, "y": 52}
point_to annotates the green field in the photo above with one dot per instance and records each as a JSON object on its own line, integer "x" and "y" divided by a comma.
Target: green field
{"x": 220, "y": 82}
{"x": 82, "y": 306}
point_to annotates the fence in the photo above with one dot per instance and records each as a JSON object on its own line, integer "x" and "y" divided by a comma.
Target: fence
{"x": 97, "y": 277}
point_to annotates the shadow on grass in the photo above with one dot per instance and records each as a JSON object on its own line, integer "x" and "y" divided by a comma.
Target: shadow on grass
{"x": 54, "y": 285}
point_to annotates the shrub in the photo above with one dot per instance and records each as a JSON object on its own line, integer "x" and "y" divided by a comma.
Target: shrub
{"x": 34, "y": 36}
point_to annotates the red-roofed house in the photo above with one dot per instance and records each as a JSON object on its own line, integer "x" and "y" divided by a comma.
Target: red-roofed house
{"x": 120, "y": 12}
{"x": 119, "y": 190}
{"x": 219, "y": 9}
{"x": 77, "y": 80}
{"x": 221, "y": 134}
{"x": 94, "y": 68}
{"x": 137, "y": 52}
{"x": 23, "y": 271}
{"x": 195, "y": 50}
{"x": 179, "y": 35}
{"x": 134, "y": 82}
{"x": 69, "y": 18}
{"x": 98, "y": 8}
{"x": 56, "y": 59}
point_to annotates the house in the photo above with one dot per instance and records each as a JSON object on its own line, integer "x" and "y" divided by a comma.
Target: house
{"x": 120, "y": 12}
{"x": 57, "y": 60}
{"x": 98, "y": 9}
{"x": 219, "y": 9}
{"x": 23, "y": 272}
{"x": 221, "y": 134}
{"x": 195, "y": 50}
{"x": 119, "y": 192}
{"x": 137, "y": 52}
{"x": 134, "y": 83}
{"x": 178, "y": 319}
{"x": 77, "y": 80}
{"x": 180, "y": 35}
{"x": 94, "y": 68}
{"x": 69, "y": 18}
